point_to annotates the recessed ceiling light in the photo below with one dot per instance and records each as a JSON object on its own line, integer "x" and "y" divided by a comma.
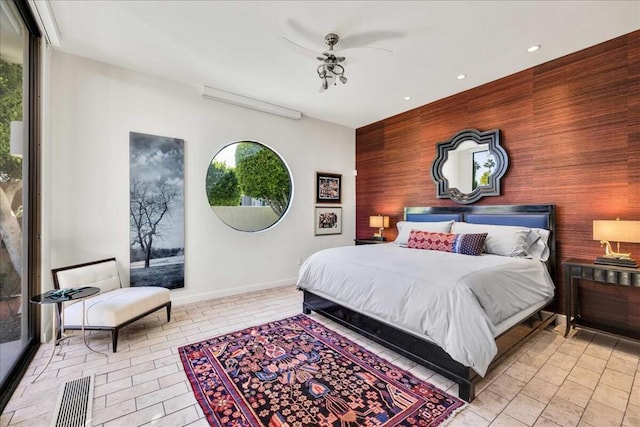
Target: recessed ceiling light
{"x": 461, "y": 76}
{"x": 533, "y": 48}
{"x": 407, "y": 98}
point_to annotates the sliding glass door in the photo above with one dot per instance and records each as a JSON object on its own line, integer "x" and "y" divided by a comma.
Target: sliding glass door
{"x": 18, "y": 180}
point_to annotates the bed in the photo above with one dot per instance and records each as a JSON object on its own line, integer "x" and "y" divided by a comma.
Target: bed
{"x": 461, "y": 326}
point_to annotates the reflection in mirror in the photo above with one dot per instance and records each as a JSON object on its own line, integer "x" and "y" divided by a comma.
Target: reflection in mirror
{"x": 248, "y": 186}
{"x": 469, "y": 166}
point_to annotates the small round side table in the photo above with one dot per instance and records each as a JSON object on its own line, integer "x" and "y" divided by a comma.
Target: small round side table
{"x": 55, "y": 296}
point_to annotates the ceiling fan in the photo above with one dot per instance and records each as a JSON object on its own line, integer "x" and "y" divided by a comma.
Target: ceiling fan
{"x": 331, "y": 70}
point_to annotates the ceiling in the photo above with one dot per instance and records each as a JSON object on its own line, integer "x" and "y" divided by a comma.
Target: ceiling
{"x": 237, "y": 46}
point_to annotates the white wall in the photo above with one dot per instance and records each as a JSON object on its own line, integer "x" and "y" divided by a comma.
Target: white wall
{"x": 94, "y": 106}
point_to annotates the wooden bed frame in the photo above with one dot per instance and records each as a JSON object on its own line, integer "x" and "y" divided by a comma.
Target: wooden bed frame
{"x": 425, "y": 352}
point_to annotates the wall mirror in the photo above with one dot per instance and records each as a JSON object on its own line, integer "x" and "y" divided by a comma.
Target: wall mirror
{"x": 469, "y": 166}
{"x": 249, "y": 186}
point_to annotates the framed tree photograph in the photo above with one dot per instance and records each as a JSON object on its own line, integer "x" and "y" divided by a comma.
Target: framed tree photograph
{"x": 156, "y": 210}
{"x": 328, "y": 187}
{"x": 328, "y": 220}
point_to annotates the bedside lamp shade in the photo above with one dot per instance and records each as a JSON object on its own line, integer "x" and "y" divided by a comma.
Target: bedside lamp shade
{"x": 616, "y": 231}
{"x": 381, "y": 222}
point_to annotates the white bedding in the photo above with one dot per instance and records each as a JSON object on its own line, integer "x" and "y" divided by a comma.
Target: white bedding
{"x": 454, "y": 300}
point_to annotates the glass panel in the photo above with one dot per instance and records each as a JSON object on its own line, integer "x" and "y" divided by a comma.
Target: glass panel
{"x": 13, "y": 149}
{"x": 248, "y": 186}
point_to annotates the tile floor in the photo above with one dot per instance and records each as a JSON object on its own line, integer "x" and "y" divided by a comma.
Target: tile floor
{"x": 588, "y": 379}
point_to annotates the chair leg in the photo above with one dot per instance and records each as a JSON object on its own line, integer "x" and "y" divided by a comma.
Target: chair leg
{"x": 114, "y": 339}
{"x": 169, "y": 312}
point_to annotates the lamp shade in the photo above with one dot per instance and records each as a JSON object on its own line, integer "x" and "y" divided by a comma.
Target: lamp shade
{"x": 379, "y": 221}
{"x": 617, "y": 231}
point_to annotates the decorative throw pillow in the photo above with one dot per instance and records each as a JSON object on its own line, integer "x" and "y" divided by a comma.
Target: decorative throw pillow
{"x": 467, "y": 244}
{"x": 405, "y": 227}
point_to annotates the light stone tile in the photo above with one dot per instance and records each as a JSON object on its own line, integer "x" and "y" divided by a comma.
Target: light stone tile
{"x": 150, "y": 357}
{"x": 541, "y": 390}
{"x": 524, "y": 409}
{"x": 180, "y": 418}
{"x": 154, "y": 374}
{"x": 521, "y": 372}
{"x": 174, "y": 378}
{"x": 114, "y": 386}
{"x": 592, "y": 363}
{"x": 634, "y": 397}
{"x": 622, "y": 364}
{"x": 505, "y": 420}
{"x": 5, "y": 418}
{"x": 584, "y": 377}
{"x": 552, "y": 374}
{"x": 467, "y": 418}
{"x": 612, "y": 397}
{"x": 599, "y": 351}
{"x": 158, "y": 396}
{"x": 597, "y": 414}
{"x": 42, "y": 420}
{"x": 138, "y": 418}
{"x": 441, "y": 382}
{"x": 132, "y": 392}
{"x": 533, "y": 359}
{"x": 488, "y": 405}
{"x": 129, "y": 371}
{"x": 569, "y": 347}
{"x": 544, "y": 422}
{"x": 617, "y": 380}
{"x": 30, "y": 412}
{"x": 109, "y": 367}
{"x": 632, "y": 416}
{"x": 102, "y": 415}
{"x": 563, "y": 412}
{"x": 575, "y": 393}
{"x": 99, "y": 402}
{"x": 506, "y": 386}
{"x": 179, "y": 402}
{"x": 563, "y": 361}
{"x": 421, "y": 372}
{"x": 629, "y": 350}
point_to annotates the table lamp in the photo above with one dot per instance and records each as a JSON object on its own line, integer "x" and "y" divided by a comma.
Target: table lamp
{"x": 616, "y": 231}
{"x": 381, "y": 222}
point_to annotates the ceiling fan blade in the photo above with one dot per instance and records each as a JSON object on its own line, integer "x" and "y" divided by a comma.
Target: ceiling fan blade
{"x": 368, "y": 48}
{"x": 300, "y": 49}
{"x": 369, "y": 37}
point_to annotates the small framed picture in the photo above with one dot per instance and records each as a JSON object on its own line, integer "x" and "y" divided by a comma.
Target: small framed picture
{"x": 328, "y": 187}
{"x": 328, "y": 220}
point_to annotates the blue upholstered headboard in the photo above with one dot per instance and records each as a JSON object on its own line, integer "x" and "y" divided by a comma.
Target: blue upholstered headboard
{"x": 533, "y": 216}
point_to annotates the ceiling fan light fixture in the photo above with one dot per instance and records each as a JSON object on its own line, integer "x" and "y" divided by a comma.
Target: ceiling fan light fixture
{"x": 330, "y": 72}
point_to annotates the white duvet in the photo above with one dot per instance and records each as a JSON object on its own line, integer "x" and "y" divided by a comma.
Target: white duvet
{"x": 454, "y": 300}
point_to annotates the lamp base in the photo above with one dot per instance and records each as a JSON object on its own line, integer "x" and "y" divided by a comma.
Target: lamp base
{"x": 379, "y": 238}
{"x": 619, "y": 262}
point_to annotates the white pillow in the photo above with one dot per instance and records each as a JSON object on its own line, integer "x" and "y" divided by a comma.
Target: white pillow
{"x": 505, "y": 240}
{"x": 405, "y": 227}
{"x": 539, "y": 247}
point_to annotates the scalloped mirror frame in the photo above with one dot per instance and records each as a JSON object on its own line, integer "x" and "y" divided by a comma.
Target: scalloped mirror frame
{"x": 492, "y": 140}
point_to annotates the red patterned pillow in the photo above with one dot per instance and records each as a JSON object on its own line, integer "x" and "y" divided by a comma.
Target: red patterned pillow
{"x": 468, "y": 244}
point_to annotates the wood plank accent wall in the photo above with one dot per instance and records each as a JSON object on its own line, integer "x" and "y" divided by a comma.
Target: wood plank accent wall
{"x": 571, "y": 128}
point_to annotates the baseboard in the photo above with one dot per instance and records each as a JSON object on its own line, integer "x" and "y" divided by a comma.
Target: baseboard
{"x": 561, "y": 319}
{"x": 203, "y": 296}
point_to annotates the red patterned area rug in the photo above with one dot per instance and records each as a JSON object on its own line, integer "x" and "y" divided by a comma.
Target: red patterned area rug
{"x": 296, "y": 372}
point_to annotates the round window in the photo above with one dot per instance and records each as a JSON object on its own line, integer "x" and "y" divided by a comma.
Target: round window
{"x": 248, "y": 186}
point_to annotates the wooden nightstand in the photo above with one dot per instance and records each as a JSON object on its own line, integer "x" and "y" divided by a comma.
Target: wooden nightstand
{"x": 576, "y": 269}
{"x": 368, "y": 241}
